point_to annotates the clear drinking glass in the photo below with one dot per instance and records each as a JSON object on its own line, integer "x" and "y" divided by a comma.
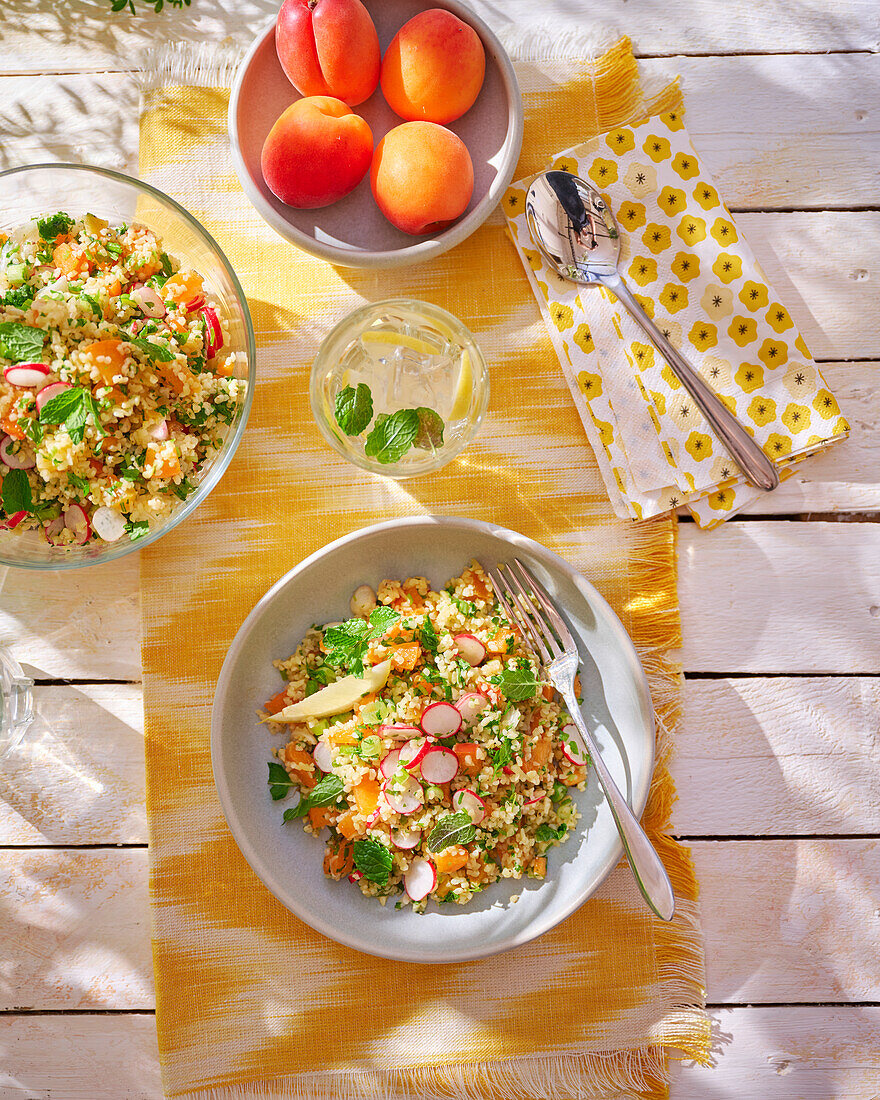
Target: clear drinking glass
{"x": 40, "y": 189}
{"x": 412, "y": 355}
{"x": 16, "y": 702}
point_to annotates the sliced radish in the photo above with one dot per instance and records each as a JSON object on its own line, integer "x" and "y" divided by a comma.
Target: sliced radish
{"x": 108, "y": 523}
{"x": 27, "y": 375}
{"x": 413, "y": 752}
{"x": 213, "y": 333}
{"x": 194, "y": 303}
{"x": 400, "y": 733}
{"x": 16, "y": 460}
{"x": 471, "y": 803}
{"x": 439, "y": 765}
{"x": 440, "y": 720}
{"x": 76, "y": 520}
{"x": 323, "y": 756}
{"x": 373, "y": 818}
{"x": 471, "y": 706}
{"x": 535, "y": 801}
{"x": 14, "y": 520}
{"x": 405, "y": 838}
{"x": 405, "y": 798}
{"x": 53, "y": 530}
{"x": 355, "y": 876}
{"x": 471, "y": 648}
{"x": 420, "y": 879}
{"x": 50, "y": 391}
{"x": 149, "y": 301}
{"x": 388, "y": 763}
{"x": 571, "y": 746}
{"x": 160, "y": 431}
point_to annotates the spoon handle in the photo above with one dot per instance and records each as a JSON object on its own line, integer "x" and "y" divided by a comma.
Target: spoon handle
{"x": 756, "y": 466}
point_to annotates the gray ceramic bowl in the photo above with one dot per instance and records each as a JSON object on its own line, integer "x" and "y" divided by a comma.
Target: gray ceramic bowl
{"x": 353, "y": 232}
{"x": 289, "y": 861}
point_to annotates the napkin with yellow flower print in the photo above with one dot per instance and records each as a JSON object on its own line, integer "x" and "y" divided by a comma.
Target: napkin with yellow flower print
{"x": 693, "y": 273}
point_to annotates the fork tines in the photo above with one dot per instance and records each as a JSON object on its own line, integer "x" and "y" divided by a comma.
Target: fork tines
{"x": 524, "y": 598}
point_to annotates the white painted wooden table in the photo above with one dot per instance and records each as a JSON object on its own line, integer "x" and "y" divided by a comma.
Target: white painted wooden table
{"x": 778, "y": 767}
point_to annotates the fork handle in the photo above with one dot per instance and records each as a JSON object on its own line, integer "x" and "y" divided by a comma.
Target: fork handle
{"x": 647, "y": 868}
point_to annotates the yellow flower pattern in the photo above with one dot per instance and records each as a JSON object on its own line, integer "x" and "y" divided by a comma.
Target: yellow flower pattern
{"x": 685, "y": 261}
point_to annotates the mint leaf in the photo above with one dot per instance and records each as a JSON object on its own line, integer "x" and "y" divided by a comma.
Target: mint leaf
{"x": 72, "y": 408}
{"x": 451, "y": 829}
{"x": 20, "y": 297}
{"x": 373, "y": 860}
{"x": 160, "y": 352}
{"x": 167, "y": 270}
{"x": 21, "y": 343}
{"x": 93, "y": 302}
{"x": 430, "y": 435}
{"x": 54, "y": 225}
{"x": 79, "y": 483}
{"x": 280, "y": 783}
{"x": 130, "y": 467}
{"x": 381, "y": 619}
{"x": 547, "y": 834}
{"x": 184, "y": 489}
{"x": 390, "y": 440}
{"x": 325, "y": 792}
{"x": 136, "y": 529}
{"x": 429, "y": 638}
{"x": 353, "y": 408}
{"x": 518, "y": 683}
{"x": 17, "y": 496}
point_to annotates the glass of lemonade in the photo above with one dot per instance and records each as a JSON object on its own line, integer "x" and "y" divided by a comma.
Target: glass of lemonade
{"x": 399, "y": 387}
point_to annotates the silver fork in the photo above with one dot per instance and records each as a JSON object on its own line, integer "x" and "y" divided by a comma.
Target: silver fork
{"x": 523, "y": 601}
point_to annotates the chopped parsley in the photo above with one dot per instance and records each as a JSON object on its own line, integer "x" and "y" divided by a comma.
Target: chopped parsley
{"x": 54, "y": 226}
{"x": 136, "y": 529}
{"x": 546, "y": 834}
{"x": 79, "y": 483}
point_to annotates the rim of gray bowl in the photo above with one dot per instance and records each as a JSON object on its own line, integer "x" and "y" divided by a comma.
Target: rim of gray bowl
{"x": 421, "y": 250}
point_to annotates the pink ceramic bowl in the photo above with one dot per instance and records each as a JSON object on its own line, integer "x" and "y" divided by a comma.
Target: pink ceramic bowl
{"x": 353, "y": 232}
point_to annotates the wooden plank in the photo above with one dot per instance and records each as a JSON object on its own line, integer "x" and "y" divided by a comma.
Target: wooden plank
{"x": 43, "y": 39}
{"x": 778, "y": 756}
{"x": 79, "y": 1058}
{"x": 802, "y": 152}
{"x": 770, "y": 596}
{"x": 768, "y": 1053}
{"x": 783, "y": 1053}
{"x": 78, "y": 777}
{"x": 76, "y": 928}
{"x": 79, "y": 624}
{"x": 75, "y": 931}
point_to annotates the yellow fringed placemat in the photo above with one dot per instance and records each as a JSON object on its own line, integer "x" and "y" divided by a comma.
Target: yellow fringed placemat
{"x": 250, "y": 1001}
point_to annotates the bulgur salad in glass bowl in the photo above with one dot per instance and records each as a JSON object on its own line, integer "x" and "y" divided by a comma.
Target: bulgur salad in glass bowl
{"x": 123, "y": 376}
{"x": 426, "y": 748}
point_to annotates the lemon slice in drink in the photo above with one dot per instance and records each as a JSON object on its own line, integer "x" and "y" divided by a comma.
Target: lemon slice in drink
{"x": 463, "y": 389}
{"x": 397, "y": 339}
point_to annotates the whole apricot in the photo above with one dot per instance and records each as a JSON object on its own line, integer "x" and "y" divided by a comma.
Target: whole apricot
{"x": 317, "y": 151}
{"x": 422, "y": 177}
{"x": 328, "y": 47}
{"x": 434, "y": 68}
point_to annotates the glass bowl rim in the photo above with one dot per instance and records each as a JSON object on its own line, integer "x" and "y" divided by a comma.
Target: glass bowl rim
{"x": 218, "y": 468}
{"x": 481, "y": 377}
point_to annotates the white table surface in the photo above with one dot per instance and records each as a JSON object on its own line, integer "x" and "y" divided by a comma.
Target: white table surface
{"x": 778, "y": 762}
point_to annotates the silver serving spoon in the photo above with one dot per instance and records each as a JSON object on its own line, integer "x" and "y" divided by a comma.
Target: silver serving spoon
{"x": 575, "y": 230}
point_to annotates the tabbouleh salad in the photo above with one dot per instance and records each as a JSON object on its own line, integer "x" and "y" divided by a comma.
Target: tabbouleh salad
{"x": 426, "y": 748}
{"x": 114, "y": 388}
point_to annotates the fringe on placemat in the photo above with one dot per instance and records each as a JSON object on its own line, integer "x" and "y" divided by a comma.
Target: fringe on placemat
{"x": 541, "y": 41}
{"x": 599, "y": 1075}
{"x": 204, "y": 65}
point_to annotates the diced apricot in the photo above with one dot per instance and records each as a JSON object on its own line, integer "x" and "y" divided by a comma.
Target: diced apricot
{"x": 175, "y": 375}
{"x": 12, "y": 427}
{"x": 277, "y": 702}
{"x": 500, "y": 641}
{"x": 539, "y": 867}
{"x": 70, "y": 260}
{"x": 107, "y": 356}
{"x": 367, "y": 699}
{"x": 539, "y": 754}
{"x": 301, "y": 764}
{"x": 342, "y": 737}
{"x": 451, "y": 859}
{"x": 470, "y": 757}
{"x": 345, "y": 824}
{"x": 547, "y": 692}
{"x": 183, "y": 287}
{"x": 406, "y": 657}
{"x": 165, "y": 466}
{"x": 339, "y": 861}
{"x": 366, "y": 795}
{"x": 577, "y": 685}
{"x": 224, "y": 369}
{"x": 575, "y": 776}
{"x": 114, "y": 289}
{"x": 477, "y": 582}
{"x": 319, "y": 816}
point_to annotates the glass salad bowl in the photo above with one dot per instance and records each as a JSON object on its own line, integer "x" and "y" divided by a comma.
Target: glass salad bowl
{"x": 36, "y": 191}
